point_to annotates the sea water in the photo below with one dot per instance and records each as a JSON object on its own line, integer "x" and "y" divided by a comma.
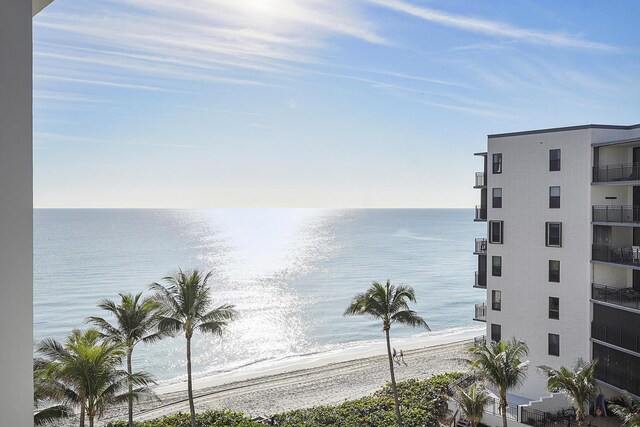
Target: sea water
{"x": 290, "y": 273}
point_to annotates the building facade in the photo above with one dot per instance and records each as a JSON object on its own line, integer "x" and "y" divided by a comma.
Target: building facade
{"x": 561, "y": 259}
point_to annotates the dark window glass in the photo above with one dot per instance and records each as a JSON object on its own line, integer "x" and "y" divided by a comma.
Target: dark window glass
{"x": 497, "y": 197}
{"x": 554, "y": 160}
{"x": 495, "y": 232}
{"x": 554, "y": 308}
{"x": 554, "y": 197}
{"x": 496, "y": 266}
{"x": 554, "y": 345}
{"x": 554, "y": 234}
{"x": 554, "y": 271}
{"x": 497, "y": 163}
{"x": 496, "y": 332}
{"x": 496, "y": 300}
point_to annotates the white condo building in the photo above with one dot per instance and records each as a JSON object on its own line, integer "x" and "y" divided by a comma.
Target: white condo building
{"x": 561, "y": 259}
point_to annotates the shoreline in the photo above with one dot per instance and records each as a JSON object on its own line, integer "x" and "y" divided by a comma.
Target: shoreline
{"x": 296, "y": 363}
{"x": 326, "y": 380}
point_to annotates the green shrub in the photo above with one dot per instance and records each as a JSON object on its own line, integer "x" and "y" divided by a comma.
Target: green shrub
{"x": 204, "y": 419}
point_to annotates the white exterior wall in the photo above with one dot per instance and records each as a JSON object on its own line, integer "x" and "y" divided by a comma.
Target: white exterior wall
{"x": 16, "y": 210}
{"x": 525, "y": 183}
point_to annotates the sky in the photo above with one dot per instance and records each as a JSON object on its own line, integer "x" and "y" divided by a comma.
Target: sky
{"x": 310, "y": 103}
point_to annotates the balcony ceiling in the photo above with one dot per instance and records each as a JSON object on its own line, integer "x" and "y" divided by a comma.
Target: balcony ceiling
{"x": 38, "y": 5}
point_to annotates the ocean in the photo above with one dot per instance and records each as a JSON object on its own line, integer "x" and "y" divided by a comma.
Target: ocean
{"x": 290, "y": 273}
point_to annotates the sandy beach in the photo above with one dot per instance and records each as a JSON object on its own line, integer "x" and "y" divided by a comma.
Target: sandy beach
{"x": 311, "y": 381}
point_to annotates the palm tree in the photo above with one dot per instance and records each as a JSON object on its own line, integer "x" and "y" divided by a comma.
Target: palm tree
{"x": 502, "y": 365}
{"x": 389, "y": 304}
{"x": 46, "y": 390}
{"x": 136, "y": 320}
{"x": 472, "y": 402}
{"x": 579, "y": 384}
{"x": 184, "y": 307}
{"x": 629, "y": 411}
{"x": 86, "y": 367}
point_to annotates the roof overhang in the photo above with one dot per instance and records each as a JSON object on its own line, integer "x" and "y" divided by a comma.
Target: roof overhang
{"x": 38, "y": 5}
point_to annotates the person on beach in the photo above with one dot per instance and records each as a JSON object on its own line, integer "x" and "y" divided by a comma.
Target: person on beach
{"x": 401, "y": 358}
{"x": 394, "y": 354}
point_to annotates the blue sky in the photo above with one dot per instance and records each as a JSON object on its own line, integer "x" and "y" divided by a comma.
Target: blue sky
{"x": 309, "y": 103}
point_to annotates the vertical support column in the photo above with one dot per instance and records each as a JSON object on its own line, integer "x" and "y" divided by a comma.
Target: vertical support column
{"x": 16, "y": 214}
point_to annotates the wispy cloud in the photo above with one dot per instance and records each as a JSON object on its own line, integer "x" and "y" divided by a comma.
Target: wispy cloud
{"x": 64, "y": 138}
{"x": 495, "y": 28}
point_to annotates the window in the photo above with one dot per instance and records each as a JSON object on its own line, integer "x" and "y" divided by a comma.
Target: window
{"x": 554, "y": 270}
{"x": 554, "y": 160}
{"x": 553, "y": 234}
{"x": 554, "y": 197}
{"x": 497, "y": 197}
{"x": 554, "y": 308}
{"x": 496, "y": 300}
{"x": 496, "y": 266}
{"x": 497, "y": 163}
{"x": 495, "y": 232}
{"x": 554, "y": 345}
{"x": 496, "y": 332}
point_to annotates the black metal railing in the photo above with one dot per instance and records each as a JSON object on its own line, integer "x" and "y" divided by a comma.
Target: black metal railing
{"x": 626, "y": 297}
{"x": 493, "y": 408}
{"x": 481, "y": 213}
{"x": 481, "y": 279}
{"x": 533, "y": 417}
{"x": 480, "y": 312}
{"x": 481, "y": 246}
{"x": 480, "y": 341}
{"x": 480, "y": 181}
{"x": 619, "y": 172}
{"x": 623, "y": 214}
{"x": 628, "y": 255}
{"x": 615, "y": 336}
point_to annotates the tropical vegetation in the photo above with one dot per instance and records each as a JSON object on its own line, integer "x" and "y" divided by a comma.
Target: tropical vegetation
{"x": 184, "y": 307}
{"x": 388, "y": 303}
{"x": 136, "y": 321}
{"x": 627, "y": 408}
{"x": 45, "y": 391}
{"x": 472, "y": 402}
{"x": 501, "y": 364}
{"x": 578, "y": 384}
{"x": 86, "y": 371}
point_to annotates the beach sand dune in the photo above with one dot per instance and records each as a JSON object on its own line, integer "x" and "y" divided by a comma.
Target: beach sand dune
{"x": 320, "y": 385}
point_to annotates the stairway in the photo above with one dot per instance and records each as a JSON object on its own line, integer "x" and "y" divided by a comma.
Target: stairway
{"x": 462, "y": 423}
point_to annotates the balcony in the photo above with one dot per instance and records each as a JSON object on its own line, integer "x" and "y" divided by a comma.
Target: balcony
{"x": 625, "y": 255}
{"x": 481, "y": 246}
{"x": 615, "y": 336}
{"x": 481, "y": 313}
{"x": 481, "y": 280}
{"x": 616, "y": 214}
{"x": 480, "y": 341}
{"x": 616, "y": 173}
{"x": 481, "y": 213}
{"x": 480, "y": 180}
{"x": 624, "y": 297}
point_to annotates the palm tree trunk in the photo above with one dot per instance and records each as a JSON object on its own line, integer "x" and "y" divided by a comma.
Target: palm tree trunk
{"x": 90, "y": 420}
{"x": 394, "y": 390}
{"x": 189, "y": 385}
{"x": 503, "y": 407}
{"x": 130, "y": 399}
{"x": 580, "y": 417}
{"x": 81, "y": 412}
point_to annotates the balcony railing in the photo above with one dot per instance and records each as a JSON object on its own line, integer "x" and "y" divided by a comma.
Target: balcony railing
{"x": 480, "y": 181}
{"x": 481, "y": 246}
{"x": 615, "y": 336}
{"x": 481, "y": 312}
{"x": 481, "y": 213}
{"x": 480, "y": 341}
{"x": 614, "y": 173}
{"x": 622, "y": 214}
{"x": 627, "y": 255}
{"x": 481, "y": 280}
{"x": 625, "y": 297}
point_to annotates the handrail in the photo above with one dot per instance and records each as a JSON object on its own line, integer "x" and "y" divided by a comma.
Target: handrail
{"x": 617, "y": 213}
{"x": 625, "y": 297}
{"x": 617, "y": 172}
{"x": 616, "y": 254}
